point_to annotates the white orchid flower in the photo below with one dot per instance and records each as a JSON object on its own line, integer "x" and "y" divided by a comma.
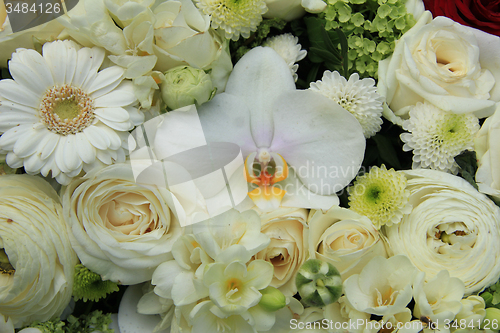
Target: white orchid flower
{"x": 300, "y": 147}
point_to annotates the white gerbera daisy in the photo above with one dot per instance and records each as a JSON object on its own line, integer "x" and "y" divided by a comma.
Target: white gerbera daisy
{"x": 437, "y": 136}
{"x": 234, "y": 17}
{"x": 60, "y": 115}
{"x": 359, "y": 97}
{"x": 288, "y": 47}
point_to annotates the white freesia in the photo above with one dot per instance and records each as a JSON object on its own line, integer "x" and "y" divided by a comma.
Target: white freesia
{"x": 316, "y": 145}
{"x": 124, "y": 11}
{"x": 441, "y": 62}
{"x": 345, "y": 239}
{"x": 439, "y": 298}
{"x": 287, "y": 229}
{"x": 452, "y": 226}
{"x": 473, "y": 310}
{"x": 36, "y": 282}
{"x": 487, "y": 154}
{"x": 119, "y": 229}
{"x": 384, "y": 286}
{"x": 181, "y": 280}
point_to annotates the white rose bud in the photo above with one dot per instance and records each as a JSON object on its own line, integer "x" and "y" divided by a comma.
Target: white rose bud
{"x": 185, "y": 85}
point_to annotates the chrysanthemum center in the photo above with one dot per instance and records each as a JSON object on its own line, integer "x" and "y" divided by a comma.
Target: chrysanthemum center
{"x": 66, "y": 110}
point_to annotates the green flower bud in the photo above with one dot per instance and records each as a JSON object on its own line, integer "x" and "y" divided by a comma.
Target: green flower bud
{"x": 318, "y": 283}
{"x": 272, "y": 299}
{"x": 492, "y": 317}
{"x": 185, "y": 85}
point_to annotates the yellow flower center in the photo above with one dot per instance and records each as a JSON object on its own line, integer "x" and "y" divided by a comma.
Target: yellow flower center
{"x": 66, "y": 110}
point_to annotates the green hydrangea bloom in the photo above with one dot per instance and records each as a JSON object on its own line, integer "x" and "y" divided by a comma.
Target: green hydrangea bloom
{"x": 89, "y": 285}
{"x": 95, "y": 321}
{"x": 372, "y": 27}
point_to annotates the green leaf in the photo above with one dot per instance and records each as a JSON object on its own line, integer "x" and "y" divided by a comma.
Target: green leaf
{"x": 324, "y": 55}
{"x": 386, "y": 150}
{"x": 467, "y": 162}
{"x": 344, "y": 49}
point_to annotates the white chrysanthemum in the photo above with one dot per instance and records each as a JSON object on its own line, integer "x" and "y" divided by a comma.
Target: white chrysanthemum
{"x": 437, "y": 136}
{"x": 288, "y": 47}
{"x": 60, "y": 115}
{"x": 234, "y": 17}
{"x": 359, "y": 97}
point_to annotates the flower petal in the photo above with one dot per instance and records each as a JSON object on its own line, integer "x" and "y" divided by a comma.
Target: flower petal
{"x": 113, "y": 114}
{"x": 97, "y": 137}
{"x": 121, "y": 96}
{"x": 111, "y": 76}
{"x": 319, "y": 139}
{"x": 85, "y": 150}
{"x": 83, "y": 65}
{"x": 259, "y": 79}
{"x": 30, "y": 69}
{"x": 13, "y": 91}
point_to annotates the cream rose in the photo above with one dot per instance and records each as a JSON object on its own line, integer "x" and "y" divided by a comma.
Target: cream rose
{"x": 345, "y": 239}
{"x": 452, "y": 226}
{"x": 120, "y": 229}
{"x": 441, "y": 62}
{"x": 36, "y": 259}
{"x": 287, "y": 251}
{"x": 488, "y": 155}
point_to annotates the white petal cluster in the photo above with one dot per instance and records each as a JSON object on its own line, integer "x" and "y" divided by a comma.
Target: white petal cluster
{"x": 61, "y": 115}
{"x": 359, "y": 97}
{"x": 437, "y": 136}
{"x": 452, "y": 226}
{"x": 36, "y": 259}
{"x": 213, "y": 281}
{"x": 119, "y": 229}
{"x": 288, "y": 47}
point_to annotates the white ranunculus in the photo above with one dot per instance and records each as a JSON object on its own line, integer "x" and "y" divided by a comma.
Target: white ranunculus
{"x": 120, "y": 229}
{"x": 287, "y": 229}
{"x": 441, "y": 62}
{"x": 345, "y": 239}
{"x": 36, "y": 259}
{"x": 181, "y": 28}
{"x": 383, "y": 288}
{"x": 488, "y": 155}
{"x": 439, "y": 298}
{"x": 452, "y": 226}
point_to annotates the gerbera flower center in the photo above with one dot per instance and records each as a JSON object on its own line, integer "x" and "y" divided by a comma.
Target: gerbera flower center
{"x": 66, "y": 110}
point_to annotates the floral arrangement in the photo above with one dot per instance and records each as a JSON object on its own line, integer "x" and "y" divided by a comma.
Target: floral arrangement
{"x": 251, "y": 166}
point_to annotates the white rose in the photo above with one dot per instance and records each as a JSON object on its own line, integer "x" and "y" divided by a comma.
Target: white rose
{"x": 36, "y": 259}
{"x": 452, "y": 226}
{"x": 345, "y": 239}
{"x": 287, "y": 229}
{"x": 181, "y": 28}
{"x": 488, "y": 155}
{"x": 441, "y": 62}
{"x": 119, "y": 229}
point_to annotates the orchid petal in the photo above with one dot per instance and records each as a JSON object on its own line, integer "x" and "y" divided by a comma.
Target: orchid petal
{"x": 323, "y": 142}
{"x": 259, "y": 78}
